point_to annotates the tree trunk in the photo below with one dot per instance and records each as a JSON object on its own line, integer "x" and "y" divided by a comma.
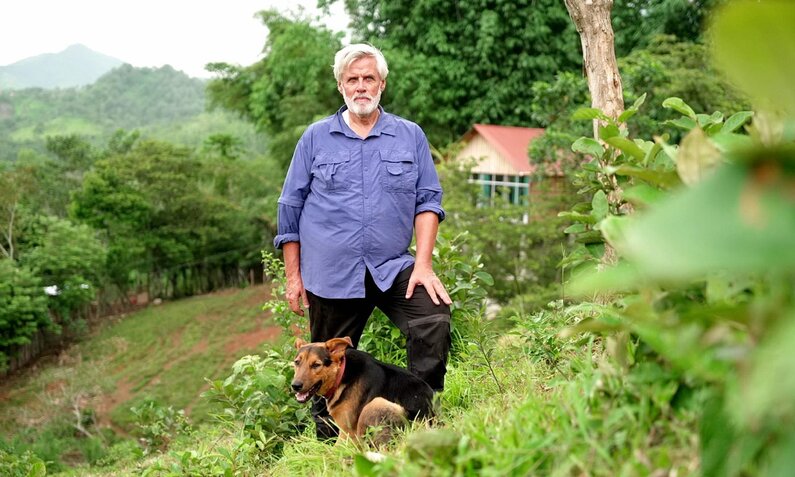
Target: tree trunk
{"x": 592, "y": 19}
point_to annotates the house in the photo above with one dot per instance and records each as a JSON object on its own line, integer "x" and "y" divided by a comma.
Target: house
{"x": 502, "y": 165}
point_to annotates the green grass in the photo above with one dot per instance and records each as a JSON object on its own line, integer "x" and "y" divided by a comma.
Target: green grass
{"x": 162, "y": 352}
{"x": 553, "y": 407}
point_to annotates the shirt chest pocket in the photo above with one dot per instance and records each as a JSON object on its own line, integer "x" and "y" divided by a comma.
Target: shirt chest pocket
{"x": 332, "y": 170}
{"x": 398, "y": 171}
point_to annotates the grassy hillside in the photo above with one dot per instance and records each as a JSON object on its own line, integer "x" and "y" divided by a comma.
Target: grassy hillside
{"x": 162, "y": 103}
{"x": 162, "y": 352}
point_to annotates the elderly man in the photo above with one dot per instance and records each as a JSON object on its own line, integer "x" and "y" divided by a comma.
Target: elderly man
{"x": 361, "y": 183}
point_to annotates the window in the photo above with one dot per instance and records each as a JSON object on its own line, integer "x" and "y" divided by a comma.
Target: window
{"x": 515, "y": 188}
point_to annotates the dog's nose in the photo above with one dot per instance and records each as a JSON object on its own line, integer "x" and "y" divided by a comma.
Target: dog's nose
{"x": 297, "y": 386}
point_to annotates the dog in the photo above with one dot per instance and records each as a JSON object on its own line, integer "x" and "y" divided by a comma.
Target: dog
{"x": 360, "y": 391}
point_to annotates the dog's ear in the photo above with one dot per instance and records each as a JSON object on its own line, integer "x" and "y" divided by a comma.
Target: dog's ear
{"x": 299, "y": 343}
{"x": 337, "y": 346}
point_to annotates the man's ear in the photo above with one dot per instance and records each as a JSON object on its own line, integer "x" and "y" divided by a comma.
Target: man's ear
{"x": 299, "y": 343}
{"x": 337, "y": 346}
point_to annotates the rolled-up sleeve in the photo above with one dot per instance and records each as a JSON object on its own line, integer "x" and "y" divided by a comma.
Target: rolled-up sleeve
{"x": 429, "y": 190}
{"x": 294, "y": 192}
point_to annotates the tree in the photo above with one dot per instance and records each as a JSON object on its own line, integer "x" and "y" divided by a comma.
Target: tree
{"x": 455, "y": 63}
{"x": 23, "y": 307}
{"x": 68, "y": 257}
{"x": 592, "y": 18}
{"x": 637, "y": 22}
{"x": 288, "y": 89}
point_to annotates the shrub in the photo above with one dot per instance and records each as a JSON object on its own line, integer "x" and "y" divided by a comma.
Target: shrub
{"x": 158, "y": 425}
{"x": 257, "y": 395}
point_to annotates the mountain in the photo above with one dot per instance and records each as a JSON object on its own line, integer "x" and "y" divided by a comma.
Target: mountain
{"x": 161, "y": 103}
{"x": 77, "y": 65}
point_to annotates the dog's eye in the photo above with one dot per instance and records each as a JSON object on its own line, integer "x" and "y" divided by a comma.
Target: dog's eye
{"x": 315, "y": 365}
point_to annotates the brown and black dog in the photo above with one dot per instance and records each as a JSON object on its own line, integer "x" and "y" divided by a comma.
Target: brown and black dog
{"x": 360, "y": 391}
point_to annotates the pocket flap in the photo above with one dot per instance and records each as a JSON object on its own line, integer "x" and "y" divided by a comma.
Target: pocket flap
{"x": 397, "y": 156}
{"x": 332, "y": 158}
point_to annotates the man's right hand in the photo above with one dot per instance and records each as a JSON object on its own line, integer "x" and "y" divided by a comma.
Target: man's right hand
{"x": 296, "y": 295}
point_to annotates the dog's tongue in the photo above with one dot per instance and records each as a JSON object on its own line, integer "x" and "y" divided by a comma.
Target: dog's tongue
{"x": 302, "y": 397}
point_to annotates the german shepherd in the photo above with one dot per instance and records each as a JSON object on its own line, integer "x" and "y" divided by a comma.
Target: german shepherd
{"x": 360, "y": 391}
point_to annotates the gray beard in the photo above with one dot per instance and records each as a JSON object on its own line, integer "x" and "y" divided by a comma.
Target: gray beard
{"x": 363, "y": 109}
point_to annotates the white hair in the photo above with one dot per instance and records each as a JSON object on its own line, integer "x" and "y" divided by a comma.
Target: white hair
{"x": 351, "y": 53}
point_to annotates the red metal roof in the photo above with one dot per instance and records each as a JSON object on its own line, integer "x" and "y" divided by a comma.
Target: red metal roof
{"x": 511, "y": 142}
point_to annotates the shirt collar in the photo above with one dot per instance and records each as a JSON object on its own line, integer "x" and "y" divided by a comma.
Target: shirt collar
{"x": 384, "y": 125}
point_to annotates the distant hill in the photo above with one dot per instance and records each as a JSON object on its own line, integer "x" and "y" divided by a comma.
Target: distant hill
{"x": 77, "y": 65}
{"x": 161, "y": 103}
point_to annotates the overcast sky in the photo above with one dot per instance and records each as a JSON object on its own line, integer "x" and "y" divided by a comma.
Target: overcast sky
{"x": 187, "y": 34}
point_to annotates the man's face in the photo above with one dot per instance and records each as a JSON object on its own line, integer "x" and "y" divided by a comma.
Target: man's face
{"x": 361, "y": 86}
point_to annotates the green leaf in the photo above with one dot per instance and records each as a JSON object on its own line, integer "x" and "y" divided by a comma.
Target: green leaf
{"x": 696, "y": 157}
{"x": 626, "y": 115}
{"x": 682, "y": 123}
{"x": 613, "y": 229}
{"x": 588, "y": 114}
{"x": 736, "y": 121}
{"x": 639, "y": 102}
{"x": 599, "y": 205}
{"x": 485, "y": 278}
{"x": 677, "y": 104}
{"x": 643, "y": 194}
{"x": 626, "y": 146}
{"x": 753, "y": 44}
{"x": 577, "y": 217}
{"x": 769, "y": 384}
{"x": 363, "y": 466}
{"x": 726, "y": 222}
{"x": 575, "y": 229}
{"x": 667, "y": 179}
{"x": 587, "y": 145}
{"x": 726, "y": 142}
{"x": 608, "y": 131}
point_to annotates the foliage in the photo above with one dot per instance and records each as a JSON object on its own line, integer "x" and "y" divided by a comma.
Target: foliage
{"x": 665, "y": 68}
{"x": 289, "y": 88}
{"x": 126, "y": 98}
{"x": 703, "y": 272}
{"x": 157, "y": 219}
{"x": 256, "y": 395}
{"x": 158, "y": 424}
{"x": 24, "y": 465}
{"x": 453, "y": 64}
{"x": 23, "y": 307}
{"x": 240, "y": 458}
{"x": 519, "y": 245}
{"x": 68, "y": 257}
{"x": 637, "y": 22}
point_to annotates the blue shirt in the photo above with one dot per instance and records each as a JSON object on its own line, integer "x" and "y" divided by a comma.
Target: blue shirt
{"x": 351, "y": 202}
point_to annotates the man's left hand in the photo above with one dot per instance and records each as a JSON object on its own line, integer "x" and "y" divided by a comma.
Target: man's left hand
{"x": 424, "y": 276}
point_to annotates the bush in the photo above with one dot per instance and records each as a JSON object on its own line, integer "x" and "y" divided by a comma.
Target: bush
{"x": 23, "y": 308}
{"x": 158, "y": 425}
{"x": 257, "y": 395}
{"x": 23, "y": 465}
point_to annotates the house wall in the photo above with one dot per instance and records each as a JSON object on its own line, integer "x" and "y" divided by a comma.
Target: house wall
{"x": 491, "y": 162}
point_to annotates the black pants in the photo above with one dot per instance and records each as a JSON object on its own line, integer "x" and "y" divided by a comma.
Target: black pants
{"x": 425, "y": 325}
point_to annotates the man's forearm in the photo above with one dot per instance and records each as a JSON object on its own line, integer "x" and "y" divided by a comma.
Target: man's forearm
{"x": 292, "y": 259}
{"x": 426, "y": 226}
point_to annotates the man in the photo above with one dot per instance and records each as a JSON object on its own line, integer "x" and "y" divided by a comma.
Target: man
{"x": 360, "y": 184}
